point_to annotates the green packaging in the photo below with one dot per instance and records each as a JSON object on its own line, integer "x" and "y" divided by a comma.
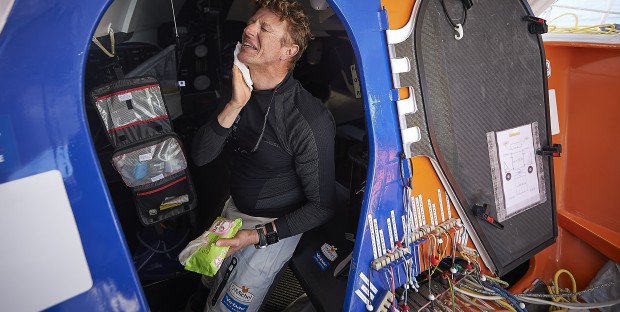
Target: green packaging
{"x": 202, "y": 255}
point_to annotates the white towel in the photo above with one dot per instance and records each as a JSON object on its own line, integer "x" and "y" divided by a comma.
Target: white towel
{"x": 245, "y": 71}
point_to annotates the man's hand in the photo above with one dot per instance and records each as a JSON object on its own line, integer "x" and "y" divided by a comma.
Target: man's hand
{"x": 242, "y": 239}
{"x": 240, "y": 90}
{"x": 240, "y": 96}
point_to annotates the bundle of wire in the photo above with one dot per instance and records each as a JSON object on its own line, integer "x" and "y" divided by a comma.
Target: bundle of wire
{"x": 493, "y": 291}
{"x": 600, "y": 29}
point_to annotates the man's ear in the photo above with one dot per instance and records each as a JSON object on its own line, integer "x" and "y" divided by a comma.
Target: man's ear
{"x": 290, "y": 51}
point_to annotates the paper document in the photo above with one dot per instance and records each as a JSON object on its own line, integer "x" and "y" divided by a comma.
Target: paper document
{"x": 517, "y": 174}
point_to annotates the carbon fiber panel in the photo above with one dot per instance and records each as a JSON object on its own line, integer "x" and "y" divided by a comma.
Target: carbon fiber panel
{"x": 490, "y": 80}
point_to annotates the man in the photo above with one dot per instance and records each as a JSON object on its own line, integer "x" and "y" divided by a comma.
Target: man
{"x": 282, "y": 147}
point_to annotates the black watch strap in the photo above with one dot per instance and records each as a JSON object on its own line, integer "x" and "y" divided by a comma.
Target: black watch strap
{"x": 262, "y": 239}
{"x": 272, "y": 235}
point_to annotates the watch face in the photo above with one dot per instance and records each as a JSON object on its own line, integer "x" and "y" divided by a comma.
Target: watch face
{"x": 272, "y": 238}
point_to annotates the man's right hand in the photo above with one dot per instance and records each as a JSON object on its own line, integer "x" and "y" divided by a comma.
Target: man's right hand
{"x": 240, "y": 96}
{"x": 240, "y": 90}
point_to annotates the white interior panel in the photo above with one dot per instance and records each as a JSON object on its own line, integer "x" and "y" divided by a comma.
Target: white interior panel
{"x": 42, "y": 262}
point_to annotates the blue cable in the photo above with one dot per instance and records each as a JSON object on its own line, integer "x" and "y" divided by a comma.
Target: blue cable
{"x": 506, "y": 294}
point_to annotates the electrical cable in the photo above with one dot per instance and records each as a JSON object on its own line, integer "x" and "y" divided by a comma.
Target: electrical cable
{"x": 497, "y": 280}
{"x": 556, "y": 290}
{"x": 469, "y": 301}
{"x": 601, "y": 29}
{"x": 569, "y": 294}
{"x": 452, "y": 294}
{"x": 516, "y": 303}
{"x": 450, "y": 20}
{"x": 569, "y": 305}
{"x": 532, "y": 300}
{"x": 505, "y": 305}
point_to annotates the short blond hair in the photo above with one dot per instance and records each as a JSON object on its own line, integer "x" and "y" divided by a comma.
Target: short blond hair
{"x": 298, "y": 23}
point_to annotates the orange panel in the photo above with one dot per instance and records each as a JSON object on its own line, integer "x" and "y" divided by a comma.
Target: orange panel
{"x": 585, "y": 78}
{"x": 398, "y": 12}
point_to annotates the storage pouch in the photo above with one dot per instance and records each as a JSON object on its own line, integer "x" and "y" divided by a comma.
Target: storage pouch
{"x": 156, "y": 171}
{"x": 150, "y": 163}
{"x": 131, "y": 110}
{"x": 164, "y": 199}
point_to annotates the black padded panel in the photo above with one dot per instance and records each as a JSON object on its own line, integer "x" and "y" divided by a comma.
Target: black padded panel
{"x": 492, "y": 79}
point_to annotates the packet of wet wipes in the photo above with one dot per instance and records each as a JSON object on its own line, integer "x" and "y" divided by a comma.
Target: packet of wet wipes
{"x": 202, "y": 255}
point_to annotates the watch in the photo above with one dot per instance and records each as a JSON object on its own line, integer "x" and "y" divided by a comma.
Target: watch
{"x": 262, "y": 239}
{"x": 272, "y": 234}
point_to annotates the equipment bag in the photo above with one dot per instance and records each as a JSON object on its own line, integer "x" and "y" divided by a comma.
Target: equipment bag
{"x": 147, "y": 154}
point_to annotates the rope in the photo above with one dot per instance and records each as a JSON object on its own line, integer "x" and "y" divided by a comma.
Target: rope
{"x": 112, "y": 43}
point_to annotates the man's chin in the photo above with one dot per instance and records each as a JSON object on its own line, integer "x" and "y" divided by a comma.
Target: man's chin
{"x": 245, "y": 59}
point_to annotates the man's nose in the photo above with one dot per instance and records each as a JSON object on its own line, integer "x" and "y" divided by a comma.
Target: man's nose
{"x": 250, "y": 29}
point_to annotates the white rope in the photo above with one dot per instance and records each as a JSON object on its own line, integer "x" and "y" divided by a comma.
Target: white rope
{"x": 174, "y": 19}
{"x": 97, "y": 43}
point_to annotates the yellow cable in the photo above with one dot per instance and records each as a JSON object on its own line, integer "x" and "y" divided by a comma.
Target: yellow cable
{"x": 555, "y": 290}
{"x": 576, "y": 29}
{"x": 497, "y": 280}
{"x": 557, "y": 287}
{"x": 506, "y": 305}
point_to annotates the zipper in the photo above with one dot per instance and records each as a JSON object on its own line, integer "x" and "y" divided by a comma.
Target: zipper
{"x": 162, "y": 187}
{"x": 231, "y": 267}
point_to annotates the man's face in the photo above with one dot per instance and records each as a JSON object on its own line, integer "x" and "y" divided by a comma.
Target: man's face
{"x": 262, "y": 40}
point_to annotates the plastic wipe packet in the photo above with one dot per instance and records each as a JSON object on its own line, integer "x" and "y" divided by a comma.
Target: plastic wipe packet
{"x": 202, "y": 255}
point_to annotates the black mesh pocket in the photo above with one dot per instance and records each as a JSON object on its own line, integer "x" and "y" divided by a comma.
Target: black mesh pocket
{"x": 169, "y": 199}
{"x": 124, "y": 111}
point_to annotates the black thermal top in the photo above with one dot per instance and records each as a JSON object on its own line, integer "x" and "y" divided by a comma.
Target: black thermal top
{"x": 290, "y": 176}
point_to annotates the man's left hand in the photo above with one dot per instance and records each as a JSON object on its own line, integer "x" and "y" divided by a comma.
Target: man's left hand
{"x": 242, "y": 239}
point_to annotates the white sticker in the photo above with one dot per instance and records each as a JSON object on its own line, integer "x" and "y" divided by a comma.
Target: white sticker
{"x": 422, "y": 211}
{"x": 373, "y": 240}
{"x": 383, "y": 248}
{"x": 157, "y": 177}
{"x": 145, "y": 157}
{"x": 548, "y": 69}
{"x": 124, "y": 97}
{"x": 433, "y": 211}
{"x": 443, "y": 216}
{"x": 395, "y": 230}
{"x": 418, "y": 216}
{"x": 380, "y": 250}
{"x": 390, "y": 232}
{"x": 553, "y": 113}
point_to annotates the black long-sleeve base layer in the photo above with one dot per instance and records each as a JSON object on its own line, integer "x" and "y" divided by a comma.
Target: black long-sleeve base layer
{"x": 291, "y": 174}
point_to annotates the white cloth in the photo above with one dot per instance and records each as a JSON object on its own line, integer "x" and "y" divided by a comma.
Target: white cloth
{"x": 245, "y": 71}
